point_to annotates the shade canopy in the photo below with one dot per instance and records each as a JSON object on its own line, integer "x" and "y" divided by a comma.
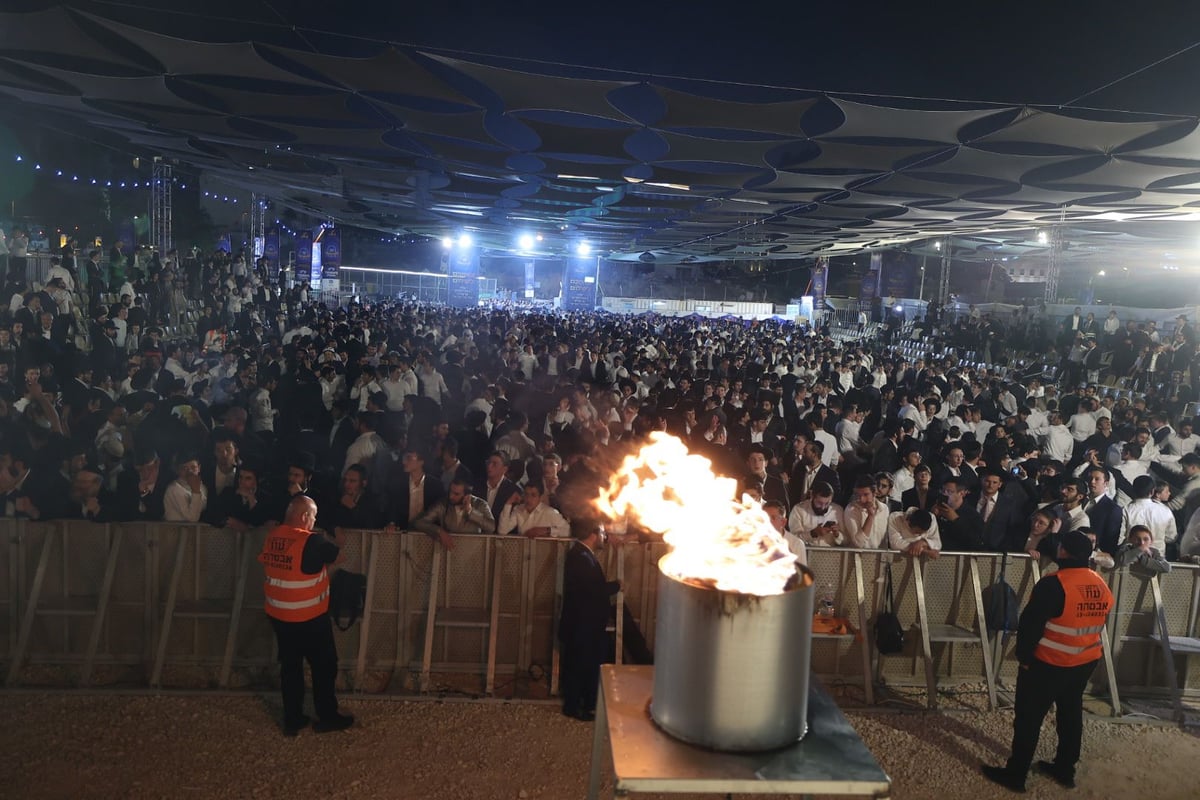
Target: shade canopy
{"x": 400, "y": 139}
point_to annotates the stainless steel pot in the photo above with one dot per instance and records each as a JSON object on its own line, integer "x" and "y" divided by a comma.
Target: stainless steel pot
{"x": 731, "y": 670}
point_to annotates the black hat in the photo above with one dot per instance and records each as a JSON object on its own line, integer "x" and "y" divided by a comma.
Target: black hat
{"x": 1077, "y": 545}
{"x": 308, "y": 462}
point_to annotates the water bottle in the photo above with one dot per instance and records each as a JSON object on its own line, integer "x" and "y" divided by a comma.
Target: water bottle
{"x": 825, "y": 606}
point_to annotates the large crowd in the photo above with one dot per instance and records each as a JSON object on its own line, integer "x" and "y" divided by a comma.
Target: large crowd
{"x": 191, "y": 388}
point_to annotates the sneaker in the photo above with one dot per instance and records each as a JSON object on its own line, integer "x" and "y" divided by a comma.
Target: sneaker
{"x": 1002, "y": 776}
{"x": 1060, "y": 776}
{"x": 338, "y": 722}
{"x": 292, "y": 728}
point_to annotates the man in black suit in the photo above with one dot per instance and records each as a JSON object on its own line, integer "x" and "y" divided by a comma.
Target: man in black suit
{"x": 407, "y": 483}
{"x": 922, "y": 495}
{"x": 1104, "y": 515}
{"x": 770, "y": 486}
{"x": 581, "y": 627}
{"x": 342, "y": 434}
{"x": 808, "y": 472}
{"x": 957, "y": 469}
{"x": 1003, "y": 530}
{"x": 497, "y": 488}
{"x": 959, "y": 523}
{"x": 104, "y": 349}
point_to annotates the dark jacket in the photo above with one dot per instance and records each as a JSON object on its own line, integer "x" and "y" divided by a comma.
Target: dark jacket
{"x": 585, "y": 604}
{"x": 824, "y": 474}
{"x": 964, "y": 534}
{"x": 1104, "y": 517}
{"x": 1004, "y": 530}
{"x": 505, "y": 491}
{"x": 396, "y": 509}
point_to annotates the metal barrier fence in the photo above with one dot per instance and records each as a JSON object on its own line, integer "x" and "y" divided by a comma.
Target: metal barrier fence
{"x": 181, "y": 605}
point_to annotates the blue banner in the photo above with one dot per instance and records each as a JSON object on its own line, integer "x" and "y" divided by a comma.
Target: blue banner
{"x": 898, "y": 277}
{"x": 271, "y": 253}
{"x": 463, "y": 283}
{"x": 304, "y": 257}
{"x": 225, "y": 244}
{"x": 579, "y": 284}
{"x": 331, "y": 254}
{"x": 820, "y": 279}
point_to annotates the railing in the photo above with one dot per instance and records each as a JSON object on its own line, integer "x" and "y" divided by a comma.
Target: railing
{"x": 181, "y": 605}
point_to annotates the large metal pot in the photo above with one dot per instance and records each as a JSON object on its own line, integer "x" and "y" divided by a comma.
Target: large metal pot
{"x": 731, "y": 670}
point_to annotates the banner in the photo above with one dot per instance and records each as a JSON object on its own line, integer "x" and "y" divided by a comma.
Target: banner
{"x": 579, "y": 283}
{"x": 225, "y": 243}
{"x": 304, "y": 257}
{"x": 271, "y": 253}
{"x": 462, "y": 290}
{"x": 530, "y": 279}
{"x": 331, "y": 254}
{"x": 820, "y": 278}
{"x": 898, "y": 277}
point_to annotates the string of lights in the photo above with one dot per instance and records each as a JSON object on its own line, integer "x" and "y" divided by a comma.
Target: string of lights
{"x": 75, "y": 177}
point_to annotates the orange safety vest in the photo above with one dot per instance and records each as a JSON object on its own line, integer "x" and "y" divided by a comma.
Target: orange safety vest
{"x": 1073, "y": 638}
{"x": 291, "y": 595}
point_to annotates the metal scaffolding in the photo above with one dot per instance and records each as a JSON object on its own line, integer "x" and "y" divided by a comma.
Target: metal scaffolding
{"x": 258, "y": 223}
{"x": 944, "y": 276}
{"x": 1054, "y": 260}
{"x": 161, "y": 183}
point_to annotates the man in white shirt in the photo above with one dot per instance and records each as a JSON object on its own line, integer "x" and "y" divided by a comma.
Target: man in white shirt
{"x": 849, "y": 435}
{"x": 1083, "y": 423}
{"x": 818, "y": 520}
{"x": 904, "y": 478}
{"x": 1182, "y": 441}
{"x": 914, "y": 532}
{"x": 396, "y": 388}
{"x": 526, "y": 514}
{"x": 865, "y": 519}
{"x": 1058, "y": 444}
{"x": 363, "y": 449}
{"x": 1145, "y": 511}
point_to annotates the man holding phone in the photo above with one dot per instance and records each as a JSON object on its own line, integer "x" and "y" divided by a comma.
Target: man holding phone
{"x": 818, "y": 520}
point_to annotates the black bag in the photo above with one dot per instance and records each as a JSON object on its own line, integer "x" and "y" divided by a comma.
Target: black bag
{"x": 1000, "y": 606}
{"x": 347, "y": 598}
{"x": 889, "y": 633}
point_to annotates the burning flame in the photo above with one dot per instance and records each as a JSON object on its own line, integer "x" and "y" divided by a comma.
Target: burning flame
{"x": 714, "y": 539}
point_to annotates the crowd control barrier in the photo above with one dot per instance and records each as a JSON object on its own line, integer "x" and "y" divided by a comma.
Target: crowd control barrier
{"x": 180, "y": 606}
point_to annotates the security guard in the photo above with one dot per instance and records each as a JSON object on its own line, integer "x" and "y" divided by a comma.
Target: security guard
{"x": 1058, "y": 645}
{"x": 296, "y": 598}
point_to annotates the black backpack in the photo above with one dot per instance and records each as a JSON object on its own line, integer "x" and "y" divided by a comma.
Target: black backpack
{"x": 889, "y": 633}
{"x": 1000, "y": 606}
{"x": 347, "y": 598}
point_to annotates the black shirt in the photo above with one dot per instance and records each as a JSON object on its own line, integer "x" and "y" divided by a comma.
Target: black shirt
{"x": 318, "y": 551}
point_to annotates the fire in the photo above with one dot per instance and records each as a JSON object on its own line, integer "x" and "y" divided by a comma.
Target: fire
{"x": 715, "y": 540}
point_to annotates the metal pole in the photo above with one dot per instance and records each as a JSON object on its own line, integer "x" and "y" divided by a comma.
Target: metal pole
{"x": 921, "y": 291}
{"x": 944, "y": 278}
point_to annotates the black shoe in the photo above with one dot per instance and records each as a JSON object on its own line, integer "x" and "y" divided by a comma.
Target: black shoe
{"x": 1060, "y": 776}
{"x": 293, "y": 727}
{"x": 582, "y": 716}
{"x": 338, "y": 722}
{"x": 1002, "y": 776}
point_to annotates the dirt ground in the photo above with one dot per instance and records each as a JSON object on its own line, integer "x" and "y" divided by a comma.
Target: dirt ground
{"x": 68, "y": 745}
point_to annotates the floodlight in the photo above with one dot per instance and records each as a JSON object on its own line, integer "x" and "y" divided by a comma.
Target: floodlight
{"x": 583, "y": 248}
{"x": 464, "y": 240}
{"x": 525, "y": 241}
{"x": 447, "y": 242}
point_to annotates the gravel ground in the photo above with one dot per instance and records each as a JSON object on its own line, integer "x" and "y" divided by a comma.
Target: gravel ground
{"x": 63, "y": 745}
